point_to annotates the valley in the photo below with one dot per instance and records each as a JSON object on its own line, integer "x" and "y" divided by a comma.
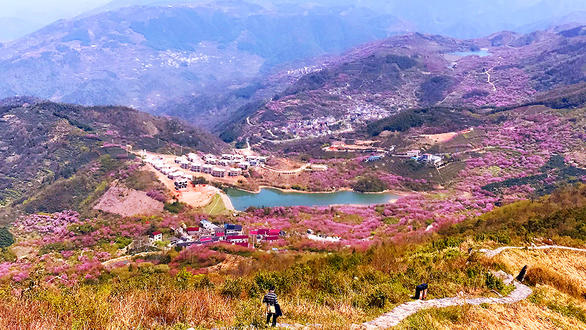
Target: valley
{"x": 247, "y": 151}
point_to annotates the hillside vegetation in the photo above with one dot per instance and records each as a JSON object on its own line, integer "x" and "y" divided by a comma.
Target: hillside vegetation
{"x": 64, "y": 154}
{"x": 419, "y": 71}
{"x": 334, "y": 286}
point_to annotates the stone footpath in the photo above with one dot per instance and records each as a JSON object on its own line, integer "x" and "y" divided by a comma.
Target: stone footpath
{"x": 403, "y": 311}
{"x": 492, "y": 253}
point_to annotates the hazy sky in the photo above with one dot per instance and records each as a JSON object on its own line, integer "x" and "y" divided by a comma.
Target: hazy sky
{"x": 48, "y": 8}
{"x": 19, "y": 17}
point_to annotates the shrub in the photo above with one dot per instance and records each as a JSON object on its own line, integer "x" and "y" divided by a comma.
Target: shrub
{"x": 250, "y": 315}
{"x": 122, "y": 241}
{"x": 174, "y": 207}
{"x": 232, "y": 287}
{"x": 157, "y": 195}
{"x": 369, "y": 184}
{"x": 377, "y": 299}
{"x": 6, "y": 238}
{"x": 200, "y": 180}
{"x": 494, "y": 283}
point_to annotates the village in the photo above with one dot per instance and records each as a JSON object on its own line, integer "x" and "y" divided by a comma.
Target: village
{"x": 210, "y": 233}
{"x": 326, "y": 125}
{"x": 377, "y": 153}
{"x": 226, "y": 165}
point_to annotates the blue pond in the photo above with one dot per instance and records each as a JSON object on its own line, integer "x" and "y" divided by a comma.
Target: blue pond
{"x": 241, "y": 200}
{"x": 480, "y": 53}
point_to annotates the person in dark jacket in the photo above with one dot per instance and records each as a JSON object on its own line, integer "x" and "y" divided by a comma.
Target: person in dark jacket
{"x": 273, "y": 307}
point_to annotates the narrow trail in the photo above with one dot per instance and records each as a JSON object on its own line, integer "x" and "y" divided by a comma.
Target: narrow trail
{"x": 492, "y": 253}
{"x": 128, "y": 257}
{"x": 488, "y": 79}
{"x": 401, "y": 312}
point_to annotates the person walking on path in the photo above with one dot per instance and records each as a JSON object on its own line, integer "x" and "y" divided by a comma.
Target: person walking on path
{"x": 273, "y": 308}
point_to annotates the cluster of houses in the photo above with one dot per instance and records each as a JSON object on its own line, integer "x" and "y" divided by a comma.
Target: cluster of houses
{"x": 311, "y": 128}
{"x": 328, "y": 125}
{"x": 209, "y": 233}
{"x": 181, "y": 178}
{"x": 428, "y": 159}
{"x": 225, "y": 165}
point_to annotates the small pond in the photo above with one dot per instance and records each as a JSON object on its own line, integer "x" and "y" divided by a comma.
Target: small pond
{"x": 267, "y": 197}
{"x": 480, "y": 53}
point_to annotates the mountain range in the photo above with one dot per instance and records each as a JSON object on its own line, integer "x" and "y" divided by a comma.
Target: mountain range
{"x": 416, "y": 70}
{"x": 202, "y": 60}
{"x": 146, "y": 56}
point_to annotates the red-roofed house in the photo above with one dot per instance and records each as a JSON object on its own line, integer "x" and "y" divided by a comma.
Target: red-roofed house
{"x": 156, "y": 236}
{"x": 192, "y": 230}
{"x": 268, "y": 234}
{"x": 221, "y": 236}
{"x": 205, "y": 239}
{"x": 237, "y": 239}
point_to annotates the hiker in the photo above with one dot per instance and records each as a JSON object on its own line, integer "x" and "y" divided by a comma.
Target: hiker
{"x": 521, "y": 275}
{"x": 421, "y": 291}
{"x": 273, "y": 307}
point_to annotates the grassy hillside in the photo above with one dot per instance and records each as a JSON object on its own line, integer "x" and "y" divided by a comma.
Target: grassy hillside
{"x": 63, "y": 154}
{"x": 560, "y": 217}
{"x": 334, "y": 286}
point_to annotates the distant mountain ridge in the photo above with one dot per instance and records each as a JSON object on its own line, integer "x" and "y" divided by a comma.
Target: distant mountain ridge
{"x": 146, "y": 56}
{"x": 418, "y": 70}
{"x": 193, "y": 59}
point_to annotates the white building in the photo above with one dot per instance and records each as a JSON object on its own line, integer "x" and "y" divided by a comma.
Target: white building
{"x": 218, "y": 172}
{"x": 430, "y": 159}
{"x": 244, "y": 165}
{"x": 207, "y": 168}
{"x": 413, "y": 153}
{"x": 196, "y": 166}
{"x": 207, "y": 225}
{"x": 235, "y": 172}
{"x": 185, "y": 164}
{"x": 175, "y": 175}
{"x": 192, "y": 157}
{"x": 156, "y": 237}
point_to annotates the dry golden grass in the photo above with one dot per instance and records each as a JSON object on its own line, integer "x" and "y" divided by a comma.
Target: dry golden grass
{"x": 101, "y": 309}
{"x": 556, "y": 303}
{"x": 524, "y": 315}
{"x": 545, "y": 309}
{"x": 563, "y": 269}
